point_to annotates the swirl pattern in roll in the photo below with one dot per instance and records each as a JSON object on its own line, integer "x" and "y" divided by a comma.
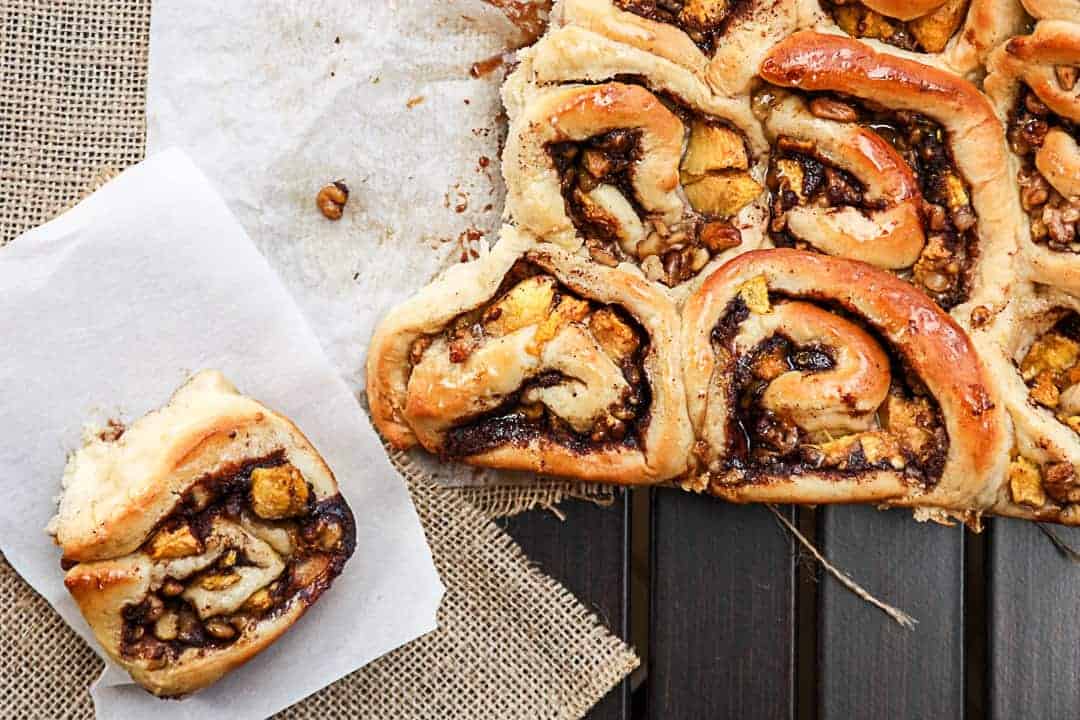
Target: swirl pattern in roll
{"x": 813, "y": 379}
{"x": 885, "y": 160}
{"x": 534, "y": 358}
{"x": 631, "y": 157}
{"x": 199, "y": 535}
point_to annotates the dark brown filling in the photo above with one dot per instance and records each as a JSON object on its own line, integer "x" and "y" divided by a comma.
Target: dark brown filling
{"x": 929, "y": 33}
{"x": 799, "y": 175}
{"x": 321, "y": 534}
{"x": 530, "y": 296}
{"x": 1053, "y": 217}
{"x": 909, "y": 434}
{"x": 717, "y": 190}
{"x": 705, "y": 21}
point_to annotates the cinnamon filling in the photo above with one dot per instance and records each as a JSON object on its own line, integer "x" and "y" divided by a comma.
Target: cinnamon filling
{"x": 928, "y": 33}
{"x": 705, "y": 21}
{"x": 901, "y": 431}
{"x": 1053, "y": 214}
{"x": 582, "y": 375}
{"x": 597, "y": 185}
{"x": 242, "y": 546}
{"x": 801, "y": 177}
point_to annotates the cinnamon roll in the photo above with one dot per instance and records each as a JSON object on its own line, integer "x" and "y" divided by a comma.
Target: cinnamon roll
{"x": 535, "y": 358}
{"x": 958, "y": 34}
{"x": 889, "y": 161}
{"x": 197, "y": 536}
{"x": 813, "y": 379}
{"x": 719, "y": 41}
{"x": 1033, "y": 80}
{"x": 644, "y": 164}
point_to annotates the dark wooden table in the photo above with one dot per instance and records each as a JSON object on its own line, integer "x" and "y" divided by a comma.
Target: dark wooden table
{"x": 733, "y": 623}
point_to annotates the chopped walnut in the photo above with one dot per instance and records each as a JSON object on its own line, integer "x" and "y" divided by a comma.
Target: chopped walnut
{"x": 1044, "y": 391}
{"x": 167, "y": 627}
{"x": 331, "y": 200}
{"x": 1060, "y": 482}
{"x": 718, "y": 236}
{"x": 279, "y": 492}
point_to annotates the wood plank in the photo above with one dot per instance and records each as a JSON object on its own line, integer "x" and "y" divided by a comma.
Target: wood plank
{"x": 1034, "y": 607}
{"x": 869, "y": 666}
{"x": 588, "y": 553}
{"x": 722, "y": 633}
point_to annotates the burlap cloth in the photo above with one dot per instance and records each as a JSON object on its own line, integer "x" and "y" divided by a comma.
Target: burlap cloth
{"x": 511, "y": 643}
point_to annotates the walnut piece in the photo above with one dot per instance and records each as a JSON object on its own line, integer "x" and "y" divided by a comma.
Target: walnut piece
{"x": 167, "y": 627}
{"x": 703, "y": 14}
{"x": 175, "y": 543}
{"x": 331, "y": 200}
{"x": 278, "y": 492}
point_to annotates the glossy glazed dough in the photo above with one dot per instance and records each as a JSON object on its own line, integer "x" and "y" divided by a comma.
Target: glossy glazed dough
{"x": 935, "y": 350}
{"x": 117, "y": 493}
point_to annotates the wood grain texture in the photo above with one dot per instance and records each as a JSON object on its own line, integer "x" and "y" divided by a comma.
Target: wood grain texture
{"x": 722, "y": 631}
{"x": 869, "y": 666}
{"x": 588, "y": 553}
{"x": 1034, "y": 623}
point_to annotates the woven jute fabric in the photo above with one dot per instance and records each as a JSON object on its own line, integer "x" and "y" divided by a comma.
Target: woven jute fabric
{"x": 511, "y": 643}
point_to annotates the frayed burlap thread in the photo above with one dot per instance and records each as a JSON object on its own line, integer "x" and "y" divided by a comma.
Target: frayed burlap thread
{"x": 511, "y": 643}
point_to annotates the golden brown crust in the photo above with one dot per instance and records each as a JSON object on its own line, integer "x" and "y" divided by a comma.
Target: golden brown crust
{"x": 933, "y": 346}
{"x": 814, "y": 61}
{"x": 407, "y": 409}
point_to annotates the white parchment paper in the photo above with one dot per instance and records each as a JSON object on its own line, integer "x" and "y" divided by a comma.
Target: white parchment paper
{"x": 276, "y": 99}
{"x": 103, "y": 313}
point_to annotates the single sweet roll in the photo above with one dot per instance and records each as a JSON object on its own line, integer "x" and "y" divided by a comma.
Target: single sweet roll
{"x": 629, "y": 157}
{"x": 535, "y": 358}
{"x": 813, "y": 379}
{"x": 197, "y": 536}
{"x": 886, "y": 160}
